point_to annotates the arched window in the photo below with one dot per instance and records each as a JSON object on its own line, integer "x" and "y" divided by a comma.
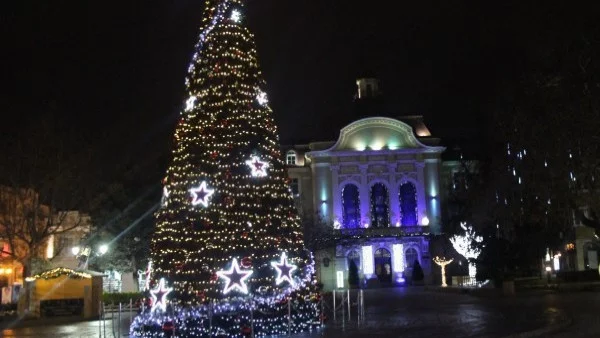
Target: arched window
{"x": 290, "y": 158}
{"x": 410, "y": 256}
{"x": 380, "y": 215}
{"x": 408, "y": 204}
{"x": 351, "y": 207}
{"x": 383, "y": 265}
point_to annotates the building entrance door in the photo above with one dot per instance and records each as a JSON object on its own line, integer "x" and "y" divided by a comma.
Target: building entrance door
{"x": 383, "y": 265}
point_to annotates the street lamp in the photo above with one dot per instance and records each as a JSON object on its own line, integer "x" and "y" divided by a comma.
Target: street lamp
{"x": 103, "y": 249}
{"x": 86, "y": 252}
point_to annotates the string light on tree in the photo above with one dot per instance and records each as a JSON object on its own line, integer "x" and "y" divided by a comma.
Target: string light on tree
{"x": 463, "y": 244}
{"x": 201, "y": 194}
{"x": 159, "y": 296}
{"x": 235, "y": 278}
{"x": 258, "y": 167}
{"x": 442, "y": 262}
{"x": 237, "y": 215}
{"x": 284, "y": 270}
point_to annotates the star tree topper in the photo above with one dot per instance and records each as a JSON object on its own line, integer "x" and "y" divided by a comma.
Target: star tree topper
{"x": 159, "y": 296}
{"x": 284, "y": 270}
{"x": 235, "y": 278}
{"x": 258, "y": 167}
{"x": 201, "y": 194}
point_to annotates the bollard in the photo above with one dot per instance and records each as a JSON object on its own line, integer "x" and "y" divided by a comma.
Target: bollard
{"x": 348, "y": 301}
{"x": 252, "y": 321}
{"x": 130, "y": 311}
{"x": 104, "y": 318}
{"x": 289, "y": 316}
{"x": 210, "y": 319}
{"x": 119, "y": 322}
{"x": 334, "y": 308}
{"x": 99, "y": 319}
{"x": 322, "y": 316}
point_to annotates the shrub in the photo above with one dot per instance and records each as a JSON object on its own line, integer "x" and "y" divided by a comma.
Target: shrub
{"x": 352, "y": 274}
{"x": 578, "y": 276}
{"x": 417, "y": 273}
{"x": 122, "y": 297}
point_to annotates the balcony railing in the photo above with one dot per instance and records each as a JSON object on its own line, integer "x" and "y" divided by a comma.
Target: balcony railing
{"x": 402, "y": 231}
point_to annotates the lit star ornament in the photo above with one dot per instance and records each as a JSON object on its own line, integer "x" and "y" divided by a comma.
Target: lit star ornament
{"x": 165, "y": 197}
{"x": 159, "y": 296}
{"x": 236, "y": 16}
{"x": 190, "y": 103}
{"x": 235, "y": 278}
{"x": 262, "y": 98}
{"x": 201, "y": 194}
{"x": 258, "y": 167}
{"x": 284, "y": 270}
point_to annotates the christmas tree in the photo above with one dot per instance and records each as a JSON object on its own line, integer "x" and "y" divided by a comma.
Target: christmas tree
{"x": 228, "y": 255}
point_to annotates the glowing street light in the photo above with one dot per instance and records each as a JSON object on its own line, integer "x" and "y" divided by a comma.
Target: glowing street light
{"x": 75, "y": 250}
{"x": 103, "y": 249}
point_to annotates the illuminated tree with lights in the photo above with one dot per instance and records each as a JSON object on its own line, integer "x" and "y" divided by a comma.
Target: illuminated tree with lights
{"x": 228, "y": 242}
{"x": 463, "y": 244}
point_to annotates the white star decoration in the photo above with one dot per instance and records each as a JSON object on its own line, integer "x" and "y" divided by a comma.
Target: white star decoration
{"x": 236, "y": 16}
{"x": 159, "y": 296}
{"x": 190, "y": 103}
{"x": 201, "y": 194}
{"x": 284, "y": 270}
{"x": 262, "y": 98}
{"x": 166, "y": 194}
{"x": 235, "y": 278}
{"x": 259, "y": 168}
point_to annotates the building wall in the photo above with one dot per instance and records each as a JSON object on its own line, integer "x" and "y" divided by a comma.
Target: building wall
{"x": 371, "y": 151}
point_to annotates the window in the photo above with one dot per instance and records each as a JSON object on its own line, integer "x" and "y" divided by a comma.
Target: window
{"x": 411, "y": 255}
{"x": 351, "y": 207}
{"x": 295, "y": 186}
{"x": 380, "y": 216}
{"x": 65, "y": 242}
{"x": 408, "y": 204}
{"x": 290, "y": 158}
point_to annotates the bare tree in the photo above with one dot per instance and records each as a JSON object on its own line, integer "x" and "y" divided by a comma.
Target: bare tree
{"x": 42, "y": 182}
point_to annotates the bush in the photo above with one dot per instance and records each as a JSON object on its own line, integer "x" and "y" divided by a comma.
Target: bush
{"x": 578, "y": 276}
{"x": 417, "y": 273}
{"x": 122, "y": 297}
{"x": 352, "y": 274}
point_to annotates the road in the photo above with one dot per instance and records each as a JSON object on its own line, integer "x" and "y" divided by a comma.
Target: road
{"x": 414, "y": 312}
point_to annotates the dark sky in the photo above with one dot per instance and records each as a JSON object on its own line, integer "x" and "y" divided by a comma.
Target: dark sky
{"x": 114, "y": 71}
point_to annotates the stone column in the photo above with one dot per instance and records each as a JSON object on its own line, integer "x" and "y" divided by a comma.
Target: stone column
{"x": 365, "y": 201}
{"x": 336, "y": 193}
{"x": 421, "y": 192}
{"x": 394, "y": 199}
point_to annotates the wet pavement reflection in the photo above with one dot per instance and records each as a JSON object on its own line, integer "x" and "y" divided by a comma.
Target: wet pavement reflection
{"x": 414, "y": 312}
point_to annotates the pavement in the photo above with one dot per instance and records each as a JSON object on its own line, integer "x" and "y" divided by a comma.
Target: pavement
{"x": 407, "y": 312}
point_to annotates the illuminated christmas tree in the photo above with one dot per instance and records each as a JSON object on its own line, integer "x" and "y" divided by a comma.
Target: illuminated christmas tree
{"x": 228, "y": 254}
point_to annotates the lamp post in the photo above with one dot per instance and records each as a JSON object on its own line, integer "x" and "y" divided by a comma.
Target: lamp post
{"x": 442, "y": 262}
{"x": 86, "y": 252}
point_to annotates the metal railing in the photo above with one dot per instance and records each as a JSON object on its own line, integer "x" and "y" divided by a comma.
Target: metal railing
{"x": 114, "y": 312}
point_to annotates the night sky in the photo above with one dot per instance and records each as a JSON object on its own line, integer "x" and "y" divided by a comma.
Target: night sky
{"x": 113, "y": 72}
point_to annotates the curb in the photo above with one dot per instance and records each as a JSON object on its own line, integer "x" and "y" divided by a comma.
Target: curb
{"x": 544, "y": 330}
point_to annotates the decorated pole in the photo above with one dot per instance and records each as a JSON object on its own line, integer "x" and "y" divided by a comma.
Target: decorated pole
{"x": 442, "y": 262}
